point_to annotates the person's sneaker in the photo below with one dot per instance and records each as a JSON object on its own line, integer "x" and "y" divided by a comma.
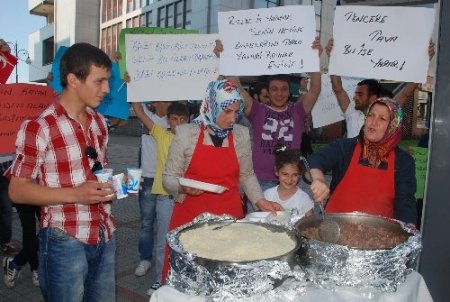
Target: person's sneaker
{"x": 9, "y": 249}
{"x": 152, "y": 288}
{"x": 35, "y": 277}
{"x": 12, "y": 272}
{"x": 142, "y": 268}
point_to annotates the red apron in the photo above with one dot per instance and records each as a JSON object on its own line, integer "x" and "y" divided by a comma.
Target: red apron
{"x": 216, "y": 165}
{"x": 365, "y": 189}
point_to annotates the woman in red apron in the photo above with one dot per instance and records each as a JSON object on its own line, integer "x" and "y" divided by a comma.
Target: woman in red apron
{"x": 214, "y": 150}
{"x": 370, "y": 173}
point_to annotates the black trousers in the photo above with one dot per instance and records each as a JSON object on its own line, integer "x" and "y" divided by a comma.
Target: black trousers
{"x": 29, "y": 216}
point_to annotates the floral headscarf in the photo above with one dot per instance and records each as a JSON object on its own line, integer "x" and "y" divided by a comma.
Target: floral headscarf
{"x": 376, "y": 153}
{"x": 219, "y": 95}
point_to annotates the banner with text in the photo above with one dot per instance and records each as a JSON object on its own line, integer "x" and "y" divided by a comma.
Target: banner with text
{"x": 170, "y": 67}
{"x": 327, "y": 111}
{"x": 144, "y": 31}
{"x": 382, "y": 42}
{"x": 20, "y": 102}
{"x": 268, "y": 41}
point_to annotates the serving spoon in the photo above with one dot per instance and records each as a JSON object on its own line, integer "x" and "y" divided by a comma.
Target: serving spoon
{"x": 329, "y": 229}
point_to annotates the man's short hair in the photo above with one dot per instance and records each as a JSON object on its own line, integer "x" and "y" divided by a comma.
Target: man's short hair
{"x": 278, "y": 77}
{"x": 373, "y": 87}
{"x": 78, "y": 60}
{"x": 178, "y": 109}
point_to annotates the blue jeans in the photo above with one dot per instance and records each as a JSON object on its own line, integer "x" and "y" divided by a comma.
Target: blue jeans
{"x": 147, "y": 205}
{"x": 71, "y": 271}
{"x": 164, "y": 208}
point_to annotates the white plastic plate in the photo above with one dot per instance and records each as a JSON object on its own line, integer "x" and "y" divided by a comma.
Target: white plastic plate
{"x": 201, "y": 185}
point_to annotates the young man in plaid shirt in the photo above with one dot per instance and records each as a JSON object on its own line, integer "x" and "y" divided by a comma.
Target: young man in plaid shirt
{"x": 56, "y": 155}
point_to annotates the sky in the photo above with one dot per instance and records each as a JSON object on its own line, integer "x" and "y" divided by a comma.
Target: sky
{"x": 16, "y": 24}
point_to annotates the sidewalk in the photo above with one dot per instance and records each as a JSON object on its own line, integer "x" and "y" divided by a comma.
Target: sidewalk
{"x": 123, "y": 152}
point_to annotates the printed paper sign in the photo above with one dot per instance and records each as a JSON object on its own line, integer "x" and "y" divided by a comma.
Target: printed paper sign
{"x": 20, "y": 102}
{"x": 382, "y": 42}
{"x": 170, "y": 67}
{"x": 327, "y": 111}
{"x": 268, "y": 41}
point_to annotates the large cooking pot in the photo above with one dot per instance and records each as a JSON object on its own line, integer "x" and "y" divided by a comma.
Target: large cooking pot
{"x": 337, "y": 265}
{"x": 206, "y": 277}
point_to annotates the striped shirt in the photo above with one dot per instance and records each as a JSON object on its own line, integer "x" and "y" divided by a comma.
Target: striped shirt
{"x": 51, "y": 149}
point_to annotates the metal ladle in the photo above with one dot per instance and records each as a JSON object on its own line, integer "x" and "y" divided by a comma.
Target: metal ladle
{"x": 329, "y": 229}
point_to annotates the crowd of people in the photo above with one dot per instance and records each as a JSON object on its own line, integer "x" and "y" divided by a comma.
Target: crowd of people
{"x": 51, "y": 175}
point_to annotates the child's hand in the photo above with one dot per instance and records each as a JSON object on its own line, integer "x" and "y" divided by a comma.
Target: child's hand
{"x": 269, "y": 206}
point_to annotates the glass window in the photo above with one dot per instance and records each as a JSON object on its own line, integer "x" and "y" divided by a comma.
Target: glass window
{"x": 266, "y": 3}
{"x": 119, "y": 8}
{"x": 188, "y": 14}
{"x": 148, "y": 17}
{"x": 148, "y": 2}
{"x": 179, "y": 14}
{"x": 170, "y": 15}
{"x": 47, "y": 52}
{"x": 103, "y": 44}
{"x": 162, "y": 17}
{"x": 129, "y": 24}
{"x": 129, "y": 6}
{"x": 114, "y": 9}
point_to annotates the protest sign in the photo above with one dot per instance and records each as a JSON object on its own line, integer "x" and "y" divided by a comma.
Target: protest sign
{"x": 327, "y": 111}
{"x": 144, "y": 31}
{"x": 268, "y": 41}
{"x": 421, "y": 158}
{"x": 170, "y": 67}
{"x": 20, "y": 102}
{"x": 115, "y": 104}
{"x": 382, "y": 42}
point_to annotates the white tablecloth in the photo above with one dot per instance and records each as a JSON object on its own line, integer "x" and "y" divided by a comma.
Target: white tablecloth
{"x": 413, "y": 289}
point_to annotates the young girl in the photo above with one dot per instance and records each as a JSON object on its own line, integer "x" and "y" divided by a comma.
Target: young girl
{"x": 287, "y": 193}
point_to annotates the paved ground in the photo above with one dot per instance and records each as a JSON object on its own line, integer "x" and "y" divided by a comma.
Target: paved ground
{"x": 123, "y": 152}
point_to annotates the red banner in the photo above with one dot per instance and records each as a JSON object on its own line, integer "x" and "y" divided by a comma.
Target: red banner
{"x": 7, "y": 64}
{"x": 20, "y": 102}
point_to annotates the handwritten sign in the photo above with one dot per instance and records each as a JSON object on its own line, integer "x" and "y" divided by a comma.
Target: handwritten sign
{"x": 421, "y": 157}
{"x": 20, "y": 102}
{"x": 327, "y": 111}
{"x": 170, "y": 67}
{"x": 268, "y": 41}
{"x": 115, "y": 103}
{"x": 382, "y": 42}
{"x": 144, "y": 31}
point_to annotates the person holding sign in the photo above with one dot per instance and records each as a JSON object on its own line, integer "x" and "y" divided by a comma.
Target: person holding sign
{"x": 215, "y": 150}
{"x": 56, "y": 156}
{"x": 367, "y": 91}
{"x": 370, "y": 173}
{"x": 280, "y": 122}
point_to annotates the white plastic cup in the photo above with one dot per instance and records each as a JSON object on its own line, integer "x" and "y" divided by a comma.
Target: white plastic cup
{"x": 119, "y": 187}
{"x": 134, "y": 179}
{"x": 103, "y": 176}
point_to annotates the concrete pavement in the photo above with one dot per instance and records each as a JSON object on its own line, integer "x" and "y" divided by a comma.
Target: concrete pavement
{"x": 123, "y": 152}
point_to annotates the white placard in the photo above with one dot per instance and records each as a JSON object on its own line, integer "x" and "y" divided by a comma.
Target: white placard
{"x": 170, "y": 67}
{"x": 268, "y": 41}
{"x": 382, "y": 42}
{"x": 327, "y": 111}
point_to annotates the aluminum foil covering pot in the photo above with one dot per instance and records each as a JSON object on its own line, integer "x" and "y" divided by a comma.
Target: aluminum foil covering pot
{"x": 330, "y": 265}
{"x": 221, "y": 280}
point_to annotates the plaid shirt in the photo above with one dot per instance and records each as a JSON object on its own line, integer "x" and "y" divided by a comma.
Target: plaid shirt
{"x": 51, "y": 149}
